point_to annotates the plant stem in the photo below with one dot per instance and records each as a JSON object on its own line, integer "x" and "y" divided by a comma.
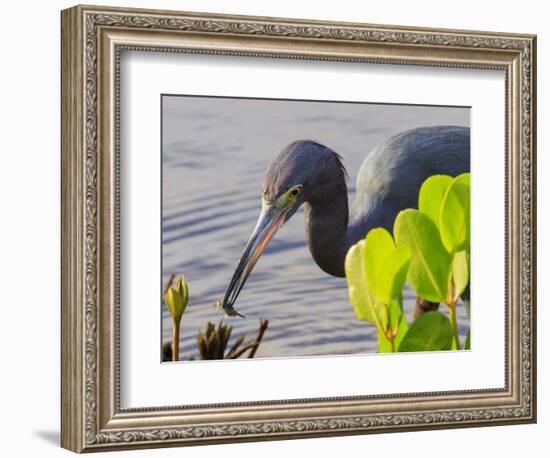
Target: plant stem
{"x": 176, "y": 341}
{"x": 392, "y": 343}
{"x": 452, "y": 313}
{"x": 261, "y": 332}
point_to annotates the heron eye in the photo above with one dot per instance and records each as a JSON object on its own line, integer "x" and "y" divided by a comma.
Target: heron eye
{"x": 295, "y": 191}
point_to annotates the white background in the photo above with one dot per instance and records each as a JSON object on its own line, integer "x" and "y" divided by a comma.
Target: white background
{"x": 29, "y": 246}
{"x": 146, "y": 75}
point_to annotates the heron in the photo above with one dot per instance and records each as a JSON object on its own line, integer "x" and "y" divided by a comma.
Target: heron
{"x": 311, "y": 174}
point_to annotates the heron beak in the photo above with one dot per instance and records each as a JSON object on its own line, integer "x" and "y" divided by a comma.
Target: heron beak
{"x": 270, "y": 220}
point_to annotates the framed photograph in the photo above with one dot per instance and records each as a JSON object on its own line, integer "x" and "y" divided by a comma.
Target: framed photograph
{"x": 278, "y": 228}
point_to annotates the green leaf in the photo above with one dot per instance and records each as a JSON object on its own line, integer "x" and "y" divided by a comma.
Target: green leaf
{"x": 431, "y": 332}
{"x": 394, "y": 312}
{"x": 467, "y": 343}
{"x": 385, "y": 265}
{"x": 464, "y": 179}
{"x": 430, "y": 265}
{"x": 431, "y": 196}
{"x": 378, "y": 244}
{"x": 364, "y": 303}
{"x": 398, "y": 321}
{"x": 357, "y": 282}
{"x": 461, "y": 273}
{"x": 455, "y": 216}
{"x": 402, "y": 330}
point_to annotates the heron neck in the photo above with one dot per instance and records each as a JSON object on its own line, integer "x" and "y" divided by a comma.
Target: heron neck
{"x": 327, "y": 218}
{"x": 332, "y": 230}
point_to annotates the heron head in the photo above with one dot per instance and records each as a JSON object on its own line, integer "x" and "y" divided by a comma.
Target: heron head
{"x": 302, "y": 170}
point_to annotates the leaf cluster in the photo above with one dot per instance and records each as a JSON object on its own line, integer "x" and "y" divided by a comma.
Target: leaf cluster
{"x": 431, "y": 251}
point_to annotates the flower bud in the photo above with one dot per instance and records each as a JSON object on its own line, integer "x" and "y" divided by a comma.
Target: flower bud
{"x": 177, "y": 298}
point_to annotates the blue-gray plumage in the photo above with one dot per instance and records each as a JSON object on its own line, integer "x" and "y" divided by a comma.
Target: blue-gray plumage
{"x": 311, "y": 174}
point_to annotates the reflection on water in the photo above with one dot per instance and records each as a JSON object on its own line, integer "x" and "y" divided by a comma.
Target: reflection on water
{"x": 215, "y": 152}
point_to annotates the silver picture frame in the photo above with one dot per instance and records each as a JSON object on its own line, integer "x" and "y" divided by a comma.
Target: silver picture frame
{"x": 92, "y": 41}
